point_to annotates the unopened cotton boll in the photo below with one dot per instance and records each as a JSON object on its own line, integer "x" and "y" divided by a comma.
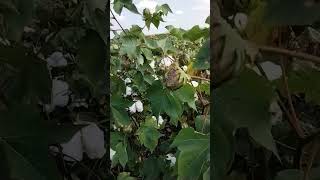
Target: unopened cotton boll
{"x": 139, "y": 106}
{"x": 194, "y": 83}
{"x": 241, "y": 21}
{"x": 112, "y": 153}
{"x": 132, "y": 108}
{"x": 93, "y": 141}
{"x": 172, "y": 159}
{"x": 127, "y": 81}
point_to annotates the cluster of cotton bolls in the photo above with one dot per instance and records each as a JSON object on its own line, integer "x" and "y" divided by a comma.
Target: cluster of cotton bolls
{"x": 89, "y": 139}
{"x": 160, "y": 120}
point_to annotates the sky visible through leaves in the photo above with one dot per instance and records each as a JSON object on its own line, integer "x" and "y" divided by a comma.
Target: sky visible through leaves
{"x": 186, "y": 13}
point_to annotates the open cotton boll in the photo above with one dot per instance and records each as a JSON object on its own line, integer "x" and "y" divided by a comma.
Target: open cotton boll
{"x": 93, "y": 141}
{"x": 112, "y": 153}
{"x": 160, "y": 120}
{"x": 276, "y": 112}
{"x": 60, "y": 91}
{"x": 128, "y": 91}
{"x": 172, "y": 159}
{"x": 152, "y": 64}
{"x": 185, "y": 68}
{"x": 166, "y": 61}
{"x": 139, "y": 106}
{"x": 241, "y": 21}
{"x": 196, "y": 96}
{"x": 56, "y": 60}
{"x": 194, "y": 83}
{"x": 73, "y": 148}
{"x": 132, "y": 108}
{"x": 127, "y": 81}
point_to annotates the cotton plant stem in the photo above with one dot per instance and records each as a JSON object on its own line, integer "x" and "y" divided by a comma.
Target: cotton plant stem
{"x": 294, "y": 119}
{"x": 286, "y": 52}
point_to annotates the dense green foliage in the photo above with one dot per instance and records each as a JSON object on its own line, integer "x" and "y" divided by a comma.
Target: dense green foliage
{"x": 264, "y": 120}
{"x": 160, "y": 111}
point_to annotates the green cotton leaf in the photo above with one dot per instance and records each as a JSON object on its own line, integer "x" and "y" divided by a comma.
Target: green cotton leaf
{"x": 17, "y": 21}
{"x": 154, "y": 18}
{"x": 118, "y": 6}
{"x": 194, "y": 154}
{"x": 92, "y": 57}
{"x": 118, "y": 110}
{"x": 121, "y": 153}
{"x": 148, "y": 136}
{"x": 208, "y": 20}
{"x": 296, "y": 174}
{"x": 23, "y": 143}
{"x": 115, "y": 139}
{"x": 222, "y": 143}
{"x": 163, "y": 101}
{"x": 147, "y": 53}
{"x": 202, "y": 123}
{"x": 195, "y": 33}
{"x": 305, "y": 81}
{"x": 186, "y": 95}
{"x": 129, "y": 48}
{"x": 139, "y": 82}
{"x": 206, "y": 175}
{"x": 152, "y": 168}
{"x": 31, "y": 81}
{"x": 125, "y": 176}
{"x": 94, "y": 4}
{"x": 164, "y": 8}
{"x": 280, "y": 12}
{"x": 244, "y": 102}
{"x": 203, "y": 57}
{"x": 166, "y": 45}
{"x": 151, "y": 43}
{"x": 177, "y": 32}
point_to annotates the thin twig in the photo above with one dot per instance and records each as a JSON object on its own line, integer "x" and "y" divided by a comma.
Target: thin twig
{"x": 291, "y": 107}
{"x": 286, "y": 52}
{"x": 118, "y": 22}
{"x": 201, "y": 78}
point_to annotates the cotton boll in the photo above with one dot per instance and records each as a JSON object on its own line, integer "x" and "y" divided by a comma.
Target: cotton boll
{"x": 194, "y": 83}
{"x": 128, "y": 91}
{"x": 127, "y": 81}
{"x": 166, "y": 61}
{"x": 152, "y": 64}
{"x": 196, "y": 96}
{"x": 112, "y": 153}
{"x": 241, "y": 21}
{"x": 56, "y": 60}
{"x": 59, "y": 93}
{"x": 73, "y": 148}
{"x": 276, "y": 113}
{"x": 160, "y": 120}
{"x": 185, "y": 68}
{"x": 132, "y": 108}
{"x": 139, "y": 106}
{"x": 172, "y": 159}
{"x": 93, "y": 141}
